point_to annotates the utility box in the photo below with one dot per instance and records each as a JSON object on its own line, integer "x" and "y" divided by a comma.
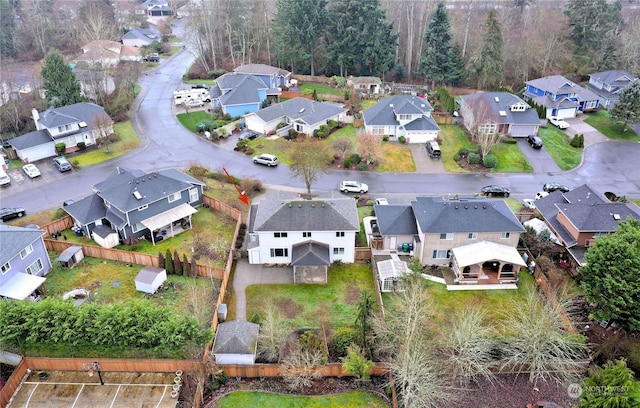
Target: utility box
{"x": 222, "y": 312}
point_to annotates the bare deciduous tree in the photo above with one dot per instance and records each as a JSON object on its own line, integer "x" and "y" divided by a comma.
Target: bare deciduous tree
{"x": 304, "y": 361}
{"x": 369, "y": 147}
{"x": 103, "y": 125}
{"x": 310, "y": 158}
{"x": 342, "y": 145}
{"x": 273, "y": 334}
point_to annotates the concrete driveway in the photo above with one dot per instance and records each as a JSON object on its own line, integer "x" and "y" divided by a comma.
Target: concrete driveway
{"x": 577, "y": 126}
{"x": 538, "y": 158}
{"x": 424, "y": 163}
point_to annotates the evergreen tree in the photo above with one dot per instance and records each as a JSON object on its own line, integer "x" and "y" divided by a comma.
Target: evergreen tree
{"x": 177, "y": 264}
{"x": 186, "y": 266}
{"x": 161, "y": 261}
{"x": 627, "y": 109}
{"x": 440, "y": 60}
{"x": 7, "y": 30}
{"x": 362, "y": 323}
{"x": 609, "y": 386}
{"x": 59, "y": 82}
{"x": 168, "y": 262}
{"x": 488, "y": 63}
{"x": 399, "y": 72}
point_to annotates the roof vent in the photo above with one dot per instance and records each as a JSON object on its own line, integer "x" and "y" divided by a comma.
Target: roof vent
{"x": 301, "y": 110}
{"x": 137, "y": 195}
{"x": 313, "y": 206}
{"x": 484, "y": 206}
{"x": 502, "y": 113}
{"x": 323, "y": 204}
{"x": 82, "y": 124}
{"x": 475, "y": 207}
{"x": 497, "y": 99}
{"x": 616, "y": 217}
{"x": 456, "y": 207}
{"x": 391, "y": 105}
{"x": 466, "y": 207}
{"x": 423, "y": 105}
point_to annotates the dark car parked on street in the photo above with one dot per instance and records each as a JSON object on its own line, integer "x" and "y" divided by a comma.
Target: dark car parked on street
{"x": 495, "y": 191}
{"x": 535, "y": 141}
{"x": 551, "y": 187}
{"x": 9, "y": 213}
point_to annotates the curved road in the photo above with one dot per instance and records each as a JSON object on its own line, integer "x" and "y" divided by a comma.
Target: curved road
{"x": 607, "y": 166}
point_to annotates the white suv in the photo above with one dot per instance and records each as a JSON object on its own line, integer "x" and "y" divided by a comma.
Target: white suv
{"x": 266, "y": 159}
{"x": 353, "y": 187}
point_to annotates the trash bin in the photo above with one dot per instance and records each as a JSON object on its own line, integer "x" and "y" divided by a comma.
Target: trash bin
{"x": 405, "y": 247}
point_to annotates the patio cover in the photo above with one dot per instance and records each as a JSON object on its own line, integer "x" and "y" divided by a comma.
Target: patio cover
{"x": 483, "y": 251}
{"x": 21, "y": 285}
{"x": 169, "y": 216}
{"x": 391, "y": 268}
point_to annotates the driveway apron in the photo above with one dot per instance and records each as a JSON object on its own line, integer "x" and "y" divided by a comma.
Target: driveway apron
{"x": 538, "y": 158}
{"x": 424, "y": 163}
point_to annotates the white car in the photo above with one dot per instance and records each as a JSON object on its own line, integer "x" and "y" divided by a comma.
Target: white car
{"x": 559, "y": 123}
{"x": 31, "y": 170}
{"x": 194, "y": 103}
{"x": 541, "y": 194}
{"x": 529, "y": 203}
{"x": 382, "y": 201}
{"x": 353, "y": 187}
{"x": 266, "y": 159}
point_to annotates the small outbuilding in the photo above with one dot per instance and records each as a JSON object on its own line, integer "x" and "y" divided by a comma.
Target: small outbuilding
{"x": 150, "y": 278}
{"x": 71, "y": 256}
{"x": 236, "y": 342}
{"x": 390, "y": 273}
{"x": 105, "y": 237}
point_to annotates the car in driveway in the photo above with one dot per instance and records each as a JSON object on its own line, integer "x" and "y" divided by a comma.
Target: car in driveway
{"x": 266, "y": 159}
{"x": 194, "y": 103}
{"x": 348, "y": 186}
{"x": 559, "y": 123}
{"x": 62, "y": 164}
{"x": 494, "y": 191}
{"x": 248, "y": 135}
{"x": 551, "y": 187}
{"x": 10, "y": 213}
{"x": 31, "y": 170}
{"x": 535, "y": 141}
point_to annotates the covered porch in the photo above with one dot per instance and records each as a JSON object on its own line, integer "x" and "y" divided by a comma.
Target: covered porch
{"x": 169, "y": 223}
{"x": 486, "y": 263}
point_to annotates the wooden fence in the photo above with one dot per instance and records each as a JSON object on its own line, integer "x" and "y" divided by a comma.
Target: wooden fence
{"x": 291, "y": 95}
{"x": 442, "y": 118}
{"x": 362, "y": 254}
{"x": 13, "y": 383}
{"x": 57, "y": 226}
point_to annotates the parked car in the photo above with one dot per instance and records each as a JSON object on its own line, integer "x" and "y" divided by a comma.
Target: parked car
{"x": 433, "y": 148}
{"x": 535, "y": 141}
{"x": 559, "y": 123}
{"x": 248, "y": 134}
{"x": 31, "y": 170}
{"x": 194, "y": 103}
{"x": 529, "y": 203}
{"x": 9, "y": 213}
{"x": 353, "y": 187}
{"x": 62, "y": 164}
{"x": 5, "y": 180}
{"x": 68, "y": 202}
{"x": 541, "y": 194}
{"x": 551, "y": 187}
{"x": 199, "y": 86}
{"x": 153, "y": 57}
{"x": 381, "y": 201}
{"x": 266, "y": 159}
{"x": 495, "y": 191}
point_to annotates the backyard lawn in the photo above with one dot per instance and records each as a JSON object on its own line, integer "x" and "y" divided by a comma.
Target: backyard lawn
{"x": 307, "y": 306}
{"x": 556, "y": 142}
{"x": 356, "y": 399}
{"x": 320, "y": 89}
{"x": 129, "y": 140}
{"x": 192, "y": 119}
{"x": 601, "y": 121}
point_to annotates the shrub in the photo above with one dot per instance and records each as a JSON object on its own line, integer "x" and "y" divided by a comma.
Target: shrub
{"x": 347, "y": 163}
{"x": 249, "y": 151}
{"x": 369, "y": 203}
{"x": 75, "y": 163}
{"x": 114, "y": 137}
{"x": 60, "y": 213}
{"x": 385, "y": 138}
{"x": 60, "y": 148}
{"x": 342, "y": 339}
{"x": 216, "y": 73}
{"x": 577, "y": 141}
{"x": 473, "y": 158}
{"x": 81, "y": 146}
{"x": 490, "y": 161}
{"x": 508, "y": 140}
{"x": 281, "y": 125}
{"x": 457, "y": 157}
{"x": 333, "y": 124}
{"x": 463, "y": 152}
{"x": 402, "y": 139}
{"x": 362, "y": 166}
{"x": 241, "y": 145}
{"x": 355, "y": 158}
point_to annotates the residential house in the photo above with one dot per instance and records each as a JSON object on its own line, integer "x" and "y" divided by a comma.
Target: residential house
{"x": 302, "y": 115}
{"x": 72, "y": 124}
{"x": 477, "y": 237}
{"x": 139, "y": 37}
{"x": 154, "y": 8}
{"x": 402, "y": 115}
{"x": 273, "y": 77}
{"x": 236, "y": 342}
{"x": 498, "y": 112}
{"x": 309, "y": 233}
{"x": 106, "y": 53}
{"x": 365, "y": 85}
{"x": 561, "y": 97}
{"x": 24, "y": 262}
{"x": 135, "y": 204}
{"x": 94, "y": 82}
{"x": 608, "y": 85}
{"x": 238, "y": 94}
{"x": 581, "y": 216}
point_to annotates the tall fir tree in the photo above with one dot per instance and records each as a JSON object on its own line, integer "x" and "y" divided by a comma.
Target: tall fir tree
{"x": 488, "y": 63}
{"x": 627, "y": 109}
{"x": 59, "y": 82}
{"x": 440, "y": 61}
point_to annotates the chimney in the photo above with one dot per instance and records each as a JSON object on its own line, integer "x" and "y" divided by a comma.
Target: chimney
{"x": 36, "y": 117}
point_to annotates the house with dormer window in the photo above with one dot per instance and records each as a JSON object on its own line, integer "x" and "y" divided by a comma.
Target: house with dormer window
{"x": 402, "y": 115}
{"x": 239, "y": 94}
{"x": 273, "y": 77}
{"x": 608, "y": 85}
{"x": 562, "y": 98}
{"x": 498, "y": 112}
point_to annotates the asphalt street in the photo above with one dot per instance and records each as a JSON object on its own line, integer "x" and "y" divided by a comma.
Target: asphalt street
{"x": 607, "y": 165}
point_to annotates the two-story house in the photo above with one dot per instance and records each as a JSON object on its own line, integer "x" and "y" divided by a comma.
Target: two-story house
{"x": 81, "y": 122}
{"x": 498, "y": 112}
{"x": 153, "y": 8}
{"x": 402, "y": 115}
{"x": 582, "y": 215}
{"x": 239, "y": 94}
{"x": 273, "y": 77}
{"x": 302, "y": 115}
{"x": 309, "y": 234}
{"x": 477, "y": 237}
{"x": 608, "y": 85}
{"x": 136, "y": 204}
{"x": 562, "y": 98}
{"x": 23, "y": 262}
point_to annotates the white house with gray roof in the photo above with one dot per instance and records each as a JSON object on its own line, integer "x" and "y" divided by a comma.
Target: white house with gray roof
{"x": 284, "y": 229}
{"x": 498, "y": 113}
{"x": 608, "y": 85}
{"x": 303, "y": 115}
{"x": 402, "y": 115}
{"x": 81, "y": 122}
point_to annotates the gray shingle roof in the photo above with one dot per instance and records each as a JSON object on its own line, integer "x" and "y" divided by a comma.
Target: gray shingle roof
{"x": 15, "y": 239}
{"x": 145, "y": 34}
{"x": 310, "y": 253}
{"x": 242, "y": 89}
{"x": 87, "y": 210}
{"x": 505, "y": 101}
{"x": 396, "y": 220}
{"x": 318, "y": 214}
{"x": 301, "y": 109}
{"x": 556, "y": 84}
{"x": 78, "y": 112}
{"x": 384, "y": 112}
{"x": 31, "y": 139}
{"x": 236, "y": 337}
{"x": 437, "y": 215}
{"x": 615, "y": 77}
{"x": 261, "y": 69}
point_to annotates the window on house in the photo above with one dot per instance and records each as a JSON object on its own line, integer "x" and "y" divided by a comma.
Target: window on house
{"x": 440, "y": 254}
{"x": 26, "y": 251}
{"x": 34, "y": 268}
{"x": 5, "y": 268}
{"x": 505, "y": 235}
{"x": 142, "y": 208}
{"x": 279, "y": 252}
{"x": 175, "y": 196}
{"x": 473, "y": 235}
{"x": 340, "y": 234}
{"x": 377, "y": 130}
{"x": 599, "y": 234}
{"x": 60, "y": 128}
{"x": 338, "y": 251}
{"x": 306, "y": 235}
{"x": 67, "y": 127}
{"x": 447, "y": 236}
{"x": 136, "y": 227}
{"x": 279, "y": 234}
{"x": 404, "y": 117}
{"x": 299, "y": 127}
{"x": 193, "y": 195}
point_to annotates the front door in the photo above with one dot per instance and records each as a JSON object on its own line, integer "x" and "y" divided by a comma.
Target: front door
{"x": 392, "y": 242}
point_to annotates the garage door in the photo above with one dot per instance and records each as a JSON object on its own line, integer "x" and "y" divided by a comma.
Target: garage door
{"x": 523, "y": 131}
{"x": 36, "y": 153}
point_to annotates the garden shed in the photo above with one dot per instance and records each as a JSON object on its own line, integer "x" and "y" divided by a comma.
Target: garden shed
{"x": 71, "y": 256}
{"x": 105, "y": 236}
{"x": 390, "y": 273}
{"x": 236, "y": 342}
{"x": 150, "y": 278}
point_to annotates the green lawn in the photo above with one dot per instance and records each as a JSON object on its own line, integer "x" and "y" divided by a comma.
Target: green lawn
{"x": 601, "y": 121}
{"x": 556, "y": 142}
{"x": 356, "y": 399}
{"x": 129, "y": 140}
{"x": 200, "y": 81}
{"x": 307, "y": 306}
{"x": 510, "y": 159}
{"x": 320, "y": 89}
{"x": 192, "y": 119}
